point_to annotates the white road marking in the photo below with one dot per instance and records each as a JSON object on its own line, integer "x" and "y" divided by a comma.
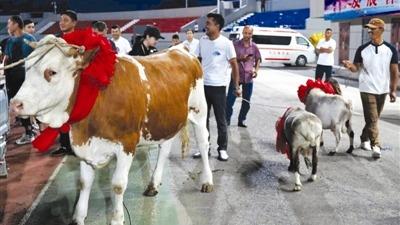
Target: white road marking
{"x": 42, "y": 192}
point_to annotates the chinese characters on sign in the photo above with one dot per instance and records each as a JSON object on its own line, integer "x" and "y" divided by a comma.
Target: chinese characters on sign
{"x": 347, "y": 9}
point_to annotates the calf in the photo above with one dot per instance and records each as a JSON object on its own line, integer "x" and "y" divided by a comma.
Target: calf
{"x": 302, "y": 133}
{"x": 324, "y": 100}
{"x": 334, "y": 112}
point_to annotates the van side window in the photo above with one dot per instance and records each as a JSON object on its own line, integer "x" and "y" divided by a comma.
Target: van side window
{"x": 271, "y": 40}
{"x": 302, "y": 41}
{"x": 234, "y": 37}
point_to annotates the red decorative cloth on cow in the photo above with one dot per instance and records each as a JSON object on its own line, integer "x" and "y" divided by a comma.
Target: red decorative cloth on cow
{"x": 281, "y": 143}
{"x": 303, "y": 90}
{"x": 95, "y": 77}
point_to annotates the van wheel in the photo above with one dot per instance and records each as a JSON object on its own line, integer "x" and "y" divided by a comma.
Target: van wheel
{"x": 287, "y": 64}
{"x": 301, "y": 61}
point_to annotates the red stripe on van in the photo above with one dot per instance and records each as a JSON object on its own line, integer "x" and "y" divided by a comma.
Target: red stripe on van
{"x": 284, "y": 49}
{"x": 280, "y": 31}
{"x": 286, "y": 59}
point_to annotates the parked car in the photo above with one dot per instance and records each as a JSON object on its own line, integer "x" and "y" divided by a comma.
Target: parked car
{"x": 280, "y": 45}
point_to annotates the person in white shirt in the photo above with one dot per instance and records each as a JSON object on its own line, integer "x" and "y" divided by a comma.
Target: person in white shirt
{"x": 191, "y": 43}
{"x": 377, "y": 64}
{"x": 325, "y": 48}
{"x": 217, "y": 53}
{"x": 122, "y": 44}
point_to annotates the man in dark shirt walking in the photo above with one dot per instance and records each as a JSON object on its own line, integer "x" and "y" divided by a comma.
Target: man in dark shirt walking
{"x": 15, "y": 50}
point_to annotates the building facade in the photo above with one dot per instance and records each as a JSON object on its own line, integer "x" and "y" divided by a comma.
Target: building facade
{"x": 348, "y": 17}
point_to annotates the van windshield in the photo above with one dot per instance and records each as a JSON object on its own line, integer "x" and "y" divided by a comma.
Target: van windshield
{"x": 271, "y": 40}
{"x": 233, "y": 37}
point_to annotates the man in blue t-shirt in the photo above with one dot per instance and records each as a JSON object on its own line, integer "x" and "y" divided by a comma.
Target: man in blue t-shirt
{"x": 17, "y": 49}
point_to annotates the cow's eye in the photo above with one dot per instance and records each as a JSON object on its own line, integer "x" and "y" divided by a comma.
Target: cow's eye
{"x": 48, "y": 73}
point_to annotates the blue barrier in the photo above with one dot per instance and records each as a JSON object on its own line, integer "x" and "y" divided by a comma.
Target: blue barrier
{"x": 294, "y": 19}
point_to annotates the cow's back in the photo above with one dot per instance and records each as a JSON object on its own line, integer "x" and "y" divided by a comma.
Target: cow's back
{"x": 170, "y": 80}
{"x": 148, "y": 96}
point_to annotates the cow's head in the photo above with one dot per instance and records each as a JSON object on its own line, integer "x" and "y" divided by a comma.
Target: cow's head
{"x": 51, "y": 70}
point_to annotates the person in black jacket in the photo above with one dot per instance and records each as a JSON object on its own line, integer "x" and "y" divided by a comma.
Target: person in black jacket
{"x": 146, "y": 44}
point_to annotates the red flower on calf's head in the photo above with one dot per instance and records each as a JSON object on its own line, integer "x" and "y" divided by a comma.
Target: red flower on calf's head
{"x": 303, "y": 90}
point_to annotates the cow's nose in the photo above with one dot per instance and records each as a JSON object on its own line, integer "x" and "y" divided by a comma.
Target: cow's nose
{"x": 16, "y": 106}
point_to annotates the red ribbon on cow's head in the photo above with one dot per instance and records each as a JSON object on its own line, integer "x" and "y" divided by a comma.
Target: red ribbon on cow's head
{"x": 303, "y": 90}
{"x": 93, "y": 78}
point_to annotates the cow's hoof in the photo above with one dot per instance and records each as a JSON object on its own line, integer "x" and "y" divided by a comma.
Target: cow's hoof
{"x": 331, "y": 153}
{"x": 207, "y": 188}
{"x": 151, "y": 191}
{"x": 312, "y": 178}
{"x": 297, "y": 187}
{"x": 350, "y": 150}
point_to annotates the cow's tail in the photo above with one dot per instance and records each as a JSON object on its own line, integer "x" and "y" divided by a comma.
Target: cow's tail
{"x": 184, "y": 140}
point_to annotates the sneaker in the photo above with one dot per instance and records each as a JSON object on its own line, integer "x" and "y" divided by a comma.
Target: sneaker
{"x": 63, "y": 151}
{"x": 223, "y": 155}
{"x": 376, "y": 152}
{"x": 25, "y": 139}
{"x": 366, "y": 145}
{"x": 197, "y": 155}
{"x": 242, "y": 124}
{"x": 35, "y": 126}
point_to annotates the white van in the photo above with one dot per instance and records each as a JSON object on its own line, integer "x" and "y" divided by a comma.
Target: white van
{"x": 280, "y": 45}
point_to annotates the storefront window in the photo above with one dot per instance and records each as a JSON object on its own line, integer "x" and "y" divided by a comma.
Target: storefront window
{"x": 344, "y": 41}
{"x": 365, "y": 37}
{"x": 395, "y": 36}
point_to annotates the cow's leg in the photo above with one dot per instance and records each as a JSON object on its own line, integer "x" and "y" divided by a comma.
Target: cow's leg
{"x": 199, "y": 120}
{"x": 119, "y": 183}
{"x": 291, "y": 167}
{"x": 314, "y": 164}
{"x": 338, "y": 135}
{"x": 86, "y": 181}
{"x": 350, "y": 132}
{"x": 321, "y": 143}
{"x": 201, "y": 134}
{"x": 296, "y": 164}
{"x": 165, "y": 149}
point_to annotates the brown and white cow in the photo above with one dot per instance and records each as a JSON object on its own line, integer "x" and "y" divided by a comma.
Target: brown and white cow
{"x": 149, "y": 99}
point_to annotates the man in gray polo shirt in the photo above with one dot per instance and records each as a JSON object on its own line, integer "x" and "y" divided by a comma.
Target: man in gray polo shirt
{"x": 377, "y": 64}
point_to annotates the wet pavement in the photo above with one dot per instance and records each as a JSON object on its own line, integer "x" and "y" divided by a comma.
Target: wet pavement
{"x": 253, "y": 187}
{"x": 28, "y": 173}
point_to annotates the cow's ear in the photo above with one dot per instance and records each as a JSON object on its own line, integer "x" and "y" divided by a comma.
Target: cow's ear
{"x": 87, "y": 57}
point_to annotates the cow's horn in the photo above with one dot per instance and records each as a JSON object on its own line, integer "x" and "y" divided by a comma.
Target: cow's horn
{"x": 32, "y": 44}
{"x": 74, "y": 51}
